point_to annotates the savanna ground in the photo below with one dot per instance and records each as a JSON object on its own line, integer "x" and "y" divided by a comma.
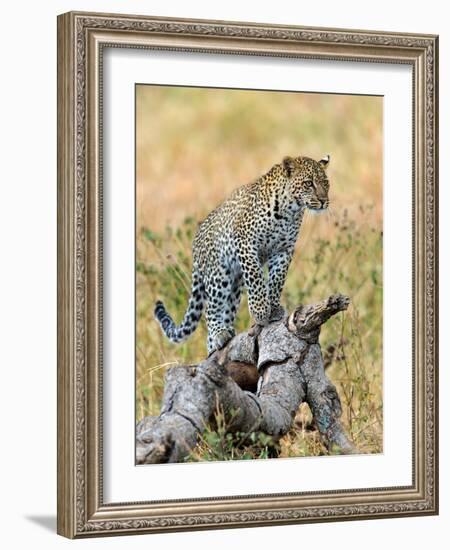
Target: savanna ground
{"x": 193, "y": 147}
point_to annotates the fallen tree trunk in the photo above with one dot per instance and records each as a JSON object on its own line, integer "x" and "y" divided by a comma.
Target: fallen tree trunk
{"x": 284, "y": 360}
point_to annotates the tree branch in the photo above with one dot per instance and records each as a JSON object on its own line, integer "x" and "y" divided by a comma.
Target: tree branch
{"x": 285, "y": 361}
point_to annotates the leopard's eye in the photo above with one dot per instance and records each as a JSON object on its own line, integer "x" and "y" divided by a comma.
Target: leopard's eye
{"x": 307, "y": 184}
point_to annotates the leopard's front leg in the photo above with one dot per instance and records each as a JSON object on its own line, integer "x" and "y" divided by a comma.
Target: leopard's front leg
{"x": 278, "y": 268}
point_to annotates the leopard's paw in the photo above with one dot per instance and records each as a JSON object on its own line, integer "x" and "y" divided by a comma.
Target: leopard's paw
{"x": 277, "y": 313}
{"x": 221, "y": 339}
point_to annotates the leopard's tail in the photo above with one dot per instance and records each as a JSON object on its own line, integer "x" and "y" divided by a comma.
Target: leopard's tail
{"x": 178, "y": 333}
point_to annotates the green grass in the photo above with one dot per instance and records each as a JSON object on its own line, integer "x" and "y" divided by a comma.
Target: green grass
{"x": 194, "y": 146}
{"x": 219, "y": 443}
{"x": 349, "y": 262}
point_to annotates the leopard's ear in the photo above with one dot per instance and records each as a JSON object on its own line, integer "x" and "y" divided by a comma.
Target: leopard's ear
{"x": 324, "y": 161}
{"x": 288, "y": 165}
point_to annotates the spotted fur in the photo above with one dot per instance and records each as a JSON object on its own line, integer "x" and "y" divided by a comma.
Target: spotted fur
{"x": 257, "y": 225}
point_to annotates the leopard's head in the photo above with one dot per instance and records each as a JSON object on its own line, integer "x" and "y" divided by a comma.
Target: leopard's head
{"x": 308, "y": 182}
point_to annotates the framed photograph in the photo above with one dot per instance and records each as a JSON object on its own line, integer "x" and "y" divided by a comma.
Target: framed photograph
{"x": 247, "y": 274}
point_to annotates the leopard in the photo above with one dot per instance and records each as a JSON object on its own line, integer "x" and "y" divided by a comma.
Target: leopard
{"x": 247, "y": 243}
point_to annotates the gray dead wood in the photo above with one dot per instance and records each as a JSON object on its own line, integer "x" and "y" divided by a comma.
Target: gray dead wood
{"x": 286, "y": 363}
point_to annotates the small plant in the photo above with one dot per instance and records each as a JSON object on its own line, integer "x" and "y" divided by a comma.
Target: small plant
{"x": 346, "y": 257}
{"x": 219, "y": 442}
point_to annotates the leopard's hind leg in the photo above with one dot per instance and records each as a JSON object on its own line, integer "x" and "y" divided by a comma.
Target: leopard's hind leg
{"x": 223, "y": 296}
{"x": 232, "y": 304}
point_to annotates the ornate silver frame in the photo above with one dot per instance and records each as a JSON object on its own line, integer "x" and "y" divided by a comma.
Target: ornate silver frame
{"x": 81, "y": 39}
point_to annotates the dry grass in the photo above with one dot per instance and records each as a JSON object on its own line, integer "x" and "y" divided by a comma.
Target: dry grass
{"x": 193, "y": 147}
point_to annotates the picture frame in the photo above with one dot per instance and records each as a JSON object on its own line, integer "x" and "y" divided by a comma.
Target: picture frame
{"x": 82, "y": 40}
